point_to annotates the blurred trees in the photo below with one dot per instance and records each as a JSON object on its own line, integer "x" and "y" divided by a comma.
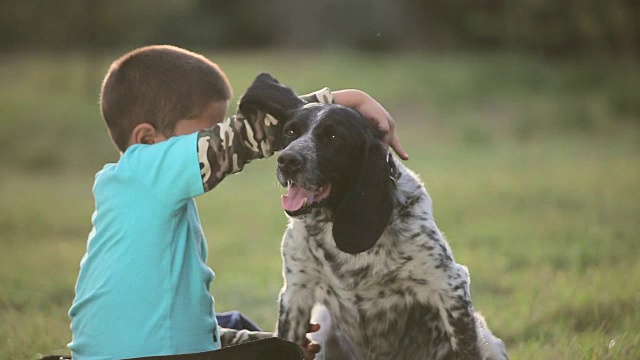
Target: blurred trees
{"x": 549, "y": 27}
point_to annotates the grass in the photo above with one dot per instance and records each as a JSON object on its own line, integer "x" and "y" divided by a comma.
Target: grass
{"x": 533, "y": 166}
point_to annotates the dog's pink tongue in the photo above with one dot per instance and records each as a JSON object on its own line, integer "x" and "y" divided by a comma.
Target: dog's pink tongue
{"x": 295, "y": 198}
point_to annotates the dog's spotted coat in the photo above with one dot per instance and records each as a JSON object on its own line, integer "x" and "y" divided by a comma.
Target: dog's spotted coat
{"x": 370, "y": 252}
{"x": 405, "y": 298}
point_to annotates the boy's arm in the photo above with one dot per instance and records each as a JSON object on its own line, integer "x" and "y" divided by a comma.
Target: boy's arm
{"x": 228, "y": 146}
{"x": 323, "y": 96}
{"x": 367, "y": 106}
{"x": 253, "y": 134}
{"x": 225, "y": 148}
{"x": 371, "y": 109}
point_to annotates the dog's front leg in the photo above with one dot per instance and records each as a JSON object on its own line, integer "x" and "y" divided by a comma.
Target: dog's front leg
{"x": 297, "y": 295}
{"x": 295, "y": 313}
{"x": 456, "y": 310}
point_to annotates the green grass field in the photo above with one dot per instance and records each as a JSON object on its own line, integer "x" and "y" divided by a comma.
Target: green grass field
{"x": 533, "y": 167}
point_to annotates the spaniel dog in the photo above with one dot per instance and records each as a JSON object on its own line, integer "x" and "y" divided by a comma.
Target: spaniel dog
{"x": 362, "y": 243}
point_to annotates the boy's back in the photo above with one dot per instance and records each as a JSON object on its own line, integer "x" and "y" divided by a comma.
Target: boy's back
{"x": 143, "y": 277}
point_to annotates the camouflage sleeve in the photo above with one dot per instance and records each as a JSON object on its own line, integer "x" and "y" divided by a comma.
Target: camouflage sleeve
{"x": 225, "y": 148}
{"x": 228, "y": 146}
{"x": 323, "y": 96}
{"x": 230, "y": 337}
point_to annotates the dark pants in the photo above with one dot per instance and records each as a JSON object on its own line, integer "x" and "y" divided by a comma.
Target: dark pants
{"x": 265, "y": 349}
{"x": 235, "y": 320}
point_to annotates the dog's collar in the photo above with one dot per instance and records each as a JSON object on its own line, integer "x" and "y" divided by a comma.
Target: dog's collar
{"x": 394, "y": 175}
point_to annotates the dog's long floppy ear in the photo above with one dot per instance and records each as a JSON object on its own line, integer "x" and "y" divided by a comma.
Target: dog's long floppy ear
{"x": 268, "y": 95}
{"x": 364, "y": 212}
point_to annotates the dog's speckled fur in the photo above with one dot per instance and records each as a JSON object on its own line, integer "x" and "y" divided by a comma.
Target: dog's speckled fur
{"x": 403, "y": 298}
{"x": 370, "y": 254}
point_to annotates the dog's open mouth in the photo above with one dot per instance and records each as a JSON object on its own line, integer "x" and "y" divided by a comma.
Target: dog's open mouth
{"x": 298, "y": 201}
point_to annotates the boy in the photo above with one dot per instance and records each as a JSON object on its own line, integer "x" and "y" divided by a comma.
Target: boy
{"x": 143, "y": 286}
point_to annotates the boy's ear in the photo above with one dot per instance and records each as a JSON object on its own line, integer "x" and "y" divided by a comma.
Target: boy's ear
{"x": 145, "y": 133}
{"x": 268, "y": 95}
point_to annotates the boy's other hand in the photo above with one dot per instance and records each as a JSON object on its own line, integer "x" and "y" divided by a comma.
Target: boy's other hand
{"x": 371, "y": 109}
{"x": 311, "y": 348}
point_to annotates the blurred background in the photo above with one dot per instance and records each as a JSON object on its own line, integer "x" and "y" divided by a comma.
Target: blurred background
{"x": 521, "y": 116}
{"x": 560, "y": 28}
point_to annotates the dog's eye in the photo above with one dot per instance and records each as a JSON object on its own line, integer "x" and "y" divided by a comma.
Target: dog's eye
{"x": 330, "y": 136}
{"x": 290, "y": 132}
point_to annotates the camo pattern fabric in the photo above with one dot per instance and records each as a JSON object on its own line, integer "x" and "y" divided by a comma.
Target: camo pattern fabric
{"x": 228, "y": 146}
{"x": 230, "y": 337}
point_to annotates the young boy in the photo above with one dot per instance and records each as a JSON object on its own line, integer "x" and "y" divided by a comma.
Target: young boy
{"x": 143, "y": 286}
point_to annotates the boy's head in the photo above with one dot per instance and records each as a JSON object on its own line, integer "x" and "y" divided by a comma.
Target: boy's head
{"x": 156, "y": 92}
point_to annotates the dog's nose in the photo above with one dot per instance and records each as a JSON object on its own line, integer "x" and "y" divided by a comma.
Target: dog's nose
{"x": 289, "y": 161}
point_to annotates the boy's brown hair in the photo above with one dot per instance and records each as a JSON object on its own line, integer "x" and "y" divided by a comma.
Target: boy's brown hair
{"x": 159, "y": 85}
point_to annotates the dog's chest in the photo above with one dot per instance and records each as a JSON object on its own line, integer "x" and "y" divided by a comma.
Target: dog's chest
{"x": 379, "y": 299}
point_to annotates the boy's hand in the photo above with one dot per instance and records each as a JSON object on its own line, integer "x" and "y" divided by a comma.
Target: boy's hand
{"x": 371, "y": 109}
{"x": 311, "y": 348}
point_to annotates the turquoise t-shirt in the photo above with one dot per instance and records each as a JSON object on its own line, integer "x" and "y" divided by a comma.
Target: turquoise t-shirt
{"x": 143, "y": 287}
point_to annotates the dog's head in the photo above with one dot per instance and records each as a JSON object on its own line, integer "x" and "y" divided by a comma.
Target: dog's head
{"x": 332, "y": 158}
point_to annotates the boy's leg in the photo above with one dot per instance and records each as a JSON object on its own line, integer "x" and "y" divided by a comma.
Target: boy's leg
{"x": 272, "y": 348}
{"x": 236, "y": 328}
{"x": 235, "y": 320}
{"x": 255, "y": 344}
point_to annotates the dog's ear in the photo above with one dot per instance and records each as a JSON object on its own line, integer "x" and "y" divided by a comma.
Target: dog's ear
{"x": 364, "y": 212}
{"x": 268, "y": 95}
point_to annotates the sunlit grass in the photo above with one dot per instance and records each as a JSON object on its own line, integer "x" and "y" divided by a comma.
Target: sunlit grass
{"x": 533, "y": 169}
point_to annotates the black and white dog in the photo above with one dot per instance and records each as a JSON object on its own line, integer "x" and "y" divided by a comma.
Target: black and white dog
{"x": 362, "y": 242}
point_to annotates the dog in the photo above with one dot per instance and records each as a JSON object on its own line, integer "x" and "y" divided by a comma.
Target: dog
{"x": 362, "y": 243}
